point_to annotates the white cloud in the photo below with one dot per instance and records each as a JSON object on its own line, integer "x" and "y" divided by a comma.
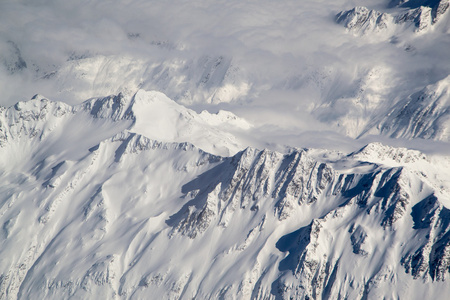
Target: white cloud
{"x": 296, "y": 63}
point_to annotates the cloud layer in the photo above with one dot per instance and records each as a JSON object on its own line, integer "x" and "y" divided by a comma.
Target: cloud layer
{"x": 284, "y": 65}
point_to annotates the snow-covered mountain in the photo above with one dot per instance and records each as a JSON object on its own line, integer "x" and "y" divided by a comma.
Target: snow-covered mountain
{"x": 424, "y": 114}
{"x": 225, "y": 149}
{"x": 148, "y": 113}
{"x": 421, "y": 15}
{"x": 91, "y": 208}
{"x": 245, "y": 63}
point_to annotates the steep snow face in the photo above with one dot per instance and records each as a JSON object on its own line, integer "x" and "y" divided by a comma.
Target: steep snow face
{"x": 48, "y": 129}
{"x": 149, "y": 113}
{"x": 160, "y": 118}
{"x": 353, "y": 111}
{"x": 42, "y": 220}
{"x": 424, "y": 114}
{"x": 156, "y": 116}
{"x": 376, "y": 110}
{"x": 135, "y": 196}
{"x": 112, "y": 214}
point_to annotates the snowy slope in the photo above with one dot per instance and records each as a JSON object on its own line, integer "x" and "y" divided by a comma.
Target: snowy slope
{"x": 109, "y": 213}
{"x": 189, "y": 181}
{"x": 424, "y": 114}
{"x": 414, "y": 112}
{"x": 158, "y": 117}
{"x": 149, "y": 113}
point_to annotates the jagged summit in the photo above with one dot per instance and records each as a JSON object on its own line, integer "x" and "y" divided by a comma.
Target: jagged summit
{"x": 160, "y": 118}
{"x": 151, "y": 114}
{"x": 136, "y": 193}
{"x": 116, "y": 209}
{"x": 377, "y": 152}
{"x": 363, "y": 20}
{"x": 421, "y": 15}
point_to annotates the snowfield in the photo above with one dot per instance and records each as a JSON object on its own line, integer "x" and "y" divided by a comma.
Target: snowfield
{"x": 118, "y": 214}
{"x": 225, "y": 150}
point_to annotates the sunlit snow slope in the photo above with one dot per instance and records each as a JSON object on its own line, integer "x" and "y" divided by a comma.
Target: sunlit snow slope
{"x": 190, "y": 180}
{"x": 92, "y": 209}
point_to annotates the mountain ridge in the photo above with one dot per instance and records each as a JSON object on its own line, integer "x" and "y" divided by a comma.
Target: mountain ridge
{"x": 277, "y": 225}
{"x": 422, "y": 16}
{"x": 262, "y": 149}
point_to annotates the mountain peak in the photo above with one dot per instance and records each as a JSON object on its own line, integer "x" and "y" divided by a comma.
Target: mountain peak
{"x": 160, "y": 118}
{"x": 421, "y": 15}
{"x": 377, "y": 152}
{"x": 362, "y": 20}
{"x": 104, "y": 188}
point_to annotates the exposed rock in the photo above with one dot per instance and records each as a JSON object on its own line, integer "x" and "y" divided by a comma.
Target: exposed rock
{"x": 422, "y": 16}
